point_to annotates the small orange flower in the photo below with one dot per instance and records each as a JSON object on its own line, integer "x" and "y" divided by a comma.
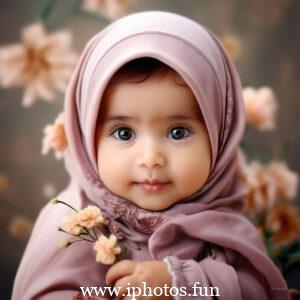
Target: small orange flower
{"x": 260, "y": 107}
{"x": 233, "y": 45}
{"x": 284, "y": 222}
{"x": 71, "y": 223}
{"x": 90, "y": 216}
{"x": 267, "y": 184}
{"x": 261, "y": 188}
{"x": 111, "y": 9}
{"x": 55, "y": 137}
{"x": 48, "y": 190}
{"x": 260, "y": 231}
{"x": 107, "y": 249}
{"x": 286, "y": 180}
{"x": 4, "y": 182}
{"x": 20, "y": 227}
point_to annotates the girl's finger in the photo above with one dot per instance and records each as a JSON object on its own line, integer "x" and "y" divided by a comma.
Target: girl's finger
{"x": 129, "y": 287}
{"x": 119, "y": 270}
{"x": 122, "y": 286}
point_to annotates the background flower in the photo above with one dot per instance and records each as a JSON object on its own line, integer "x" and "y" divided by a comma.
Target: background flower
{"x": 20, "y": 227}
{"x": 266, "y": 184}
{"x": 111, "y": 9}
{"x": 48, "y": 190}
{"x": 55, "y": 137}
{"x": 284, "y": 222}
{"x": 4, "y": 182}
{"x": 233, "y": 45}
{"x": 286, "y": 180}
{"x": 42, "y": 63}
{"x": 260, "y": 106}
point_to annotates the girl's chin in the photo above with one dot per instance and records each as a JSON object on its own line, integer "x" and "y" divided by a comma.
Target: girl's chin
{"x": 153, "y": 203}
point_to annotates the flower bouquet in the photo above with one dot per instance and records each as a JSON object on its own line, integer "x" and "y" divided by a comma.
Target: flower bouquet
{"x": 272, "y": 187}
{"x": 89, "y": 225}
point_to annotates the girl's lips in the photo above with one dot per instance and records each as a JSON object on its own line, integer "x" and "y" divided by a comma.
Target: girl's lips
{"x": 153, "y": 187}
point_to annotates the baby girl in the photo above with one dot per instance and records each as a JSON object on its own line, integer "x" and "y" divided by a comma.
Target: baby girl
{"x": 154, "y": 117}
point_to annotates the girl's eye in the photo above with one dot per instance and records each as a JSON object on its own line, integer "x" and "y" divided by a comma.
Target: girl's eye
{"x": 126, "y": 134}
{"x": 178, "y": 133}
{"x": 123, "y": 133}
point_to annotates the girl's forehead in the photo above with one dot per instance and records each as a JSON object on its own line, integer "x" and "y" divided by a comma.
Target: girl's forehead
{"x": 159, "y": 96}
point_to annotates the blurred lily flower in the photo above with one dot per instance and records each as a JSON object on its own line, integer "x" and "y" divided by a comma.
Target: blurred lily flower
{"x": 48, "y": 190}
{"x": 42, "y": 63}
{"x": 55, "y": 137}
{"x": 20, "y": 227}
{"x": 284, "y": 222}
{"x": 260, "y": 106}
{"x": 4, "y": 182}
{"x": 266, "y": 185}
{"x": 233, "y": 45}
{"x": 111, "y": 9}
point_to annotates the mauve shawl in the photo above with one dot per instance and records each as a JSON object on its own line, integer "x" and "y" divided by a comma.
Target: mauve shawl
{"x": 238, "y": 264}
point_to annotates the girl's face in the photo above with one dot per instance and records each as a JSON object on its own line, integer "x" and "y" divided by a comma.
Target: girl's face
{"x": 152, "y": 144}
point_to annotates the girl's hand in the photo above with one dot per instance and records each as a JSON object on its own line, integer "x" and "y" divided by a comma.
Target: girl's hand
{"x": 144, "y": 276}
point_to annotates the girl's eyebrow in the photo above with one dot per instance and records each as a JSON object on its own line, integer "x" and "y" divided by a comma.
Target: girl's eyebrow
{"x": 119, "y": 118}
{"x": 172, "y": 118}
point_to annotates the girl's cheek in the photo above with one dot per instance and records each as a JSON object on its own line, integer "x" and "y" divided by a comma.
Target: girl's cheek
{"x": 117, "y": 161}
{"x": 191, "y": 165}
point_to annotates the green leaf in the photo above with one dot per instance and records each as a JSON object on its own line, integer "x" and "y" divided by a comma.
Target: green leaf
{"x": 293, "y": 258}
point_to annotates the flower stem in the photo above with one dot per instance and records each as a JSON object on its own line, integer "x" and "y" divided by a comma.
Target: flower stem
{"x": 77, "y": 7}
{"x": 46, "y": 11}
{"x": 80, "y": 241}
{"x": 87, "y": 231}
{"x": 103, "y": 228}
{"x": 60, "y": 229}
{"x": 95, "y": 233}
{"x": 59, "y": 201}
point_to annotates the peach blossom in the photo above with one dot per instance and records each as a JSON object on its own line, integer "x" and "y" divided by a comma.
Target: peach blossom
{"x": 284, "y": 222}
{"x": 90, "y": 216}
{"x": 20, "y": 227}
{"x": 107, "y": 249}
{"x": 287, "y": 180}
{"x": 71, "y": 224}
{"x": 111, "y": 9}
{"x": 260, "y": 106}
{"x": 55, "y": 137}
{"x": 42, "y": 63}
{"x": 262, "y": 188}
{"x": 266, "y": 184}
{"x": 4, "y": 182}
{"x": 48, "y": 190}
{"x": 233, "y": 45}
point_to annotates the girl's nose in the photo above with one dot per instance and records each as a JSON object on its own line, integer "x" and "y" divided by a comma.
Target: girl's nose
{"x": 151, "y": 157}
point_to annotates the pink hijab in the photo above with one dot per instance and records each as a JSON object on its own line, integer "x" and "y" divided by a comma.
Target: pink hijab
{"x": 178, "y": 235}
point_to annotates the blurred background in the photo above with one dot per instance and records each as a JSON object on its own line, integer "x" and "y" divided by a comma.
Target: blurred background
{"x": 263, "y": 39}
